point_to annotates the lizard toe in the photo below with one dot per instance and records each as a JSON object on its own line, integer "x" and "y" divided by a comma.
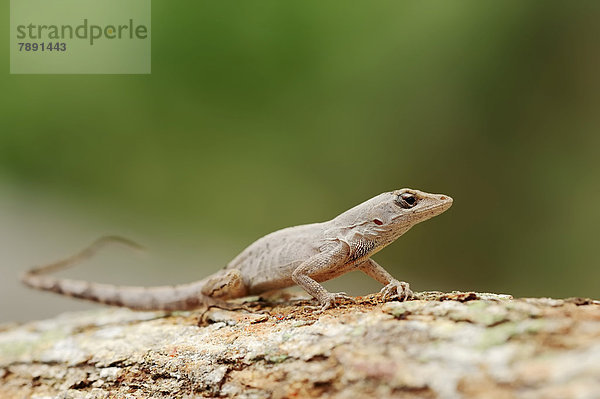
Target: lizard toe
{"x": 396, "y": 290}
{"x": 332, "y": 298}
{"x": 342, "y": 296}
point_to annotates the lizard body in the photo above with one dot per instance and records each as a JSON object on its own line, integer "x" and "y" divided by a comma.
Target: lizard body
{"x": 302, "y": 255}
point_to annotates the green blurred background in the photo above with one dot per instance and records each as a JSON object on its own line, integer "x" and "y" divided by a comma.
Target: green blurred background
{"x": 261, "y": 115}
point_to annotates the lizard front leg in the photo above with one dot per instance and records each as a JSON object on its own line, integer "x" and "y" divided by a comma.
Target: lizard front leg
{"x": 393, "y": 288}
{"x": 322, "y": 265}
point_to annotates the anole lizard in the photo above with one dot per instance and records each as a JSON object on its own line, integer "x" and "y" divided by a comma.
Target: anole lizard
{"x": 304, "y": 255}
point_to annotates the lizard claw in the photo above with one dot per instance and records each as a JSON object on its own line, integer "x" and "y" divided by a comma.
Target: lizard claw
{"x": 396, "y": 289}
{"x": 331, "y": 299}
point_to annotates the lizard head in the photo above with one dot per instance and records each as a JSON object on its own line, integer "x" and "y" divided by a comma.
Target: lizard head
{"x": 415, "y": 206}
{"x": 387, "y": 216}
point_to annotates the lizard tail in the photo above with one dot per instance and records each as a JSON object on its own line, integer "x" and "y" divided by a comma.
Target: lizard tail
{"x": 179, "y": 297}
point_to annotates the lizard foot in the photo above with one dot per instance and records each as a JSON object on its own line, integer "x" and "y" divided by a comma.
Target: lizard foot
{"x": 396, "y": 289}
{"x": 330, "y": 299}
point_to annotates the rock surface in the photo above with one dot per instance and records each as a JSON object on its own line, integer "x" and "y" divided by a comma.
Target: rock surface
{"x": 457, "y": 345}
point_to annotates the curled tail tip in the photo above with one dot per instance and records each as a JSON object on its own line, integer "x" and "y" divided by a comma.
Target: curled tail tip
{"x": 28, "y": 278}
{"x": 28, "y": 274}
{"x": 115, "y": 239}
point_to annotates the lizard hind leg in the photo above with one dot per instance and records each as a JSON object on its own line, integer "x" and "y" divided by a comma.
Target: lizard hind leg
{"x": 227, "y": 284}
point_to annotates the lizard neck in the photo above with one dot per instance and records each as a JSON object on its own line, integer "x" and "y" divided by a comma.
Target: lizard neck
{"x": 363, "y": 243}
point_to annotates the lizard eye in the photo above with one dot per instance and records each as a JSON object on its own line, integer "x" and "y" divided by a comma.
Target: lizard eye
{"x": 378, "y": 222}
{"x": 406, "y": 200}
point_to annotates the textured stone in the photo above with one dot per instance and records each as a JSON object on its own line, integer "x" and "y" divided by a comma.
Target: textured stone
{"x": 456, "y": 345}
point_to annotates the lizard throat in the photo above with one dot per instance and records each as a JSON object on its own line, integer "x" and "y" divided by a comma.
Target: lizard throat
{"x": 362, "y": 249}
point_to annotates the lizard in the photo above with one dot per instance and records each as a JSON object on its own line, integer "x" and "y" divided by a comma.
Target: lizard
{"x": 304, "y": 255}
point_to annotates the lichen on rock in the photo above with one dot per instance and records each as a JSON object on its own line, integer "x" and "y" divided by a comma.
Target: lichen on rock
{"x": 440, "y": 345}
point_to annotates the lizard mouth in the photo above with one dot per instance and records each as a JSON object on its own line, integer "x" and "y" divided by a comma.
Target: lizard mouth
{"x": 441, "y": 205}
